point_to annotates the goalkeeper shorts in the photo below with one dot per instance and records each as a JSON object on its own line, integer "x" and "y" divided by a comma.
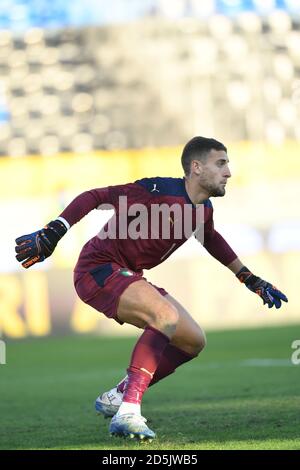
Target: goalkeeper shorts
{"x": 102, "y": 287}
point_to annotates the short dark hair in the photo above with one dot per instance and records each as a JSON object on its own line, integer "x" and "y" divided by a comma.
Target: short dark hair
{"x": 197, "y": 149}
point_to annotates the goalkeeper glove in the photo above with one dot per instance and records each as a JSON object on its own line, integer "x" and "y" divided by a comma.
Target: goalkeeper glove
{"x": 269, "y": 293}
{"x": 37, "y": 246}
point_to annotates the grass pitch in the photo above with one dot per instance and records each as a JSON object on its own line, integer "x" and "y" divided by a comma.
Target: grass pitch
{"x": 242, "y": 392}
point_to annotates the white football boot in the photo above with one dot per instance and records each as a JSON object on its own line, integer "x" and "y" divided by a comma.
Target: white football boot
{"x": 109, "y": 402}
{"x": 131, "y": 425}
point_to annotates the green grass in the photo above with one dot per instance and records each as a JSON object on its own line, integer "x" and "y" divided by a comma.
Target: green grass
{"x": 221, "y": 400}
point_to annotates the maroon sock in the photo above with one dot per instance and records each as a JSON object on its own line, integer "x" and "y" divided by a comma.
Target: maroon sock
{"x": 172, "y": 358}
{"x": 144, "y": 362}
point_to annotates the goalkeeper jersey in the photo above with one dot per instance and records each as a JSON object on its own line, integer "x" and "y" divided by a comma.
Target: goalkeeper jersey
{"x": 152, "y": 218}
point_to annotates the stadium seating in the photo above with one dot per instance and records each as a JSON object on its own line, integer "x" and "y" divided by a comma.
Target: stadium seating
{"x": 151, "y": 82}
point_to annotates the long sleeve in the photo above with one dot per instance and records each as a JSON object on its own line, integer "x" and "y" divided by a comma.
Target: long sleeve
{"x": 92, "y": 199}
{"x": 84, "y": 203}
{"x": 216, "y": 246}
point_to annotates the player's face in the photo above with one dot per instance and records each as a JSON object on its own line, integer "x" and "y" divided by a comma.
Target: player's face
{"x": 215, "y": 173}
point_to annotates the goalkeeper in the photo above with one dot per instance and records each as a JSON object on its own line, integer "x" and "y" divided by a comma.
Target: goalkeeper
{"x": 109, "y": 273}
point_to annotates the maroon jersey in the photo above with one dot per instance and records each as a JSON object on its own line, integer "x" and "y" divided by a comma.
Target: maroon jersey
{"x": 135, "y": 239}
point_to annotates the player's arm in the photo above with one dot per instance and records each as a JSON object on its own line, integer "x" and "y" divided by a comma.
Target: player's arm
{"x": 37, "y": 246}
{"x": 220, "y": 249}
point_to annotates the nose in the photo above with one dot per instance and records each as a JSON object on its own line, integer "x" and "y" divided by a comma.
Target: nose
{"x": 227, "y": 172}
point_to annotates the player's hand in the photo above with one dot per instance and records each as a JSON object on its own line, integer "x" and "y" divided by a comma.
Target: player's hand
{"x": 38, "y": 246}
{"x": 269, "y": 293}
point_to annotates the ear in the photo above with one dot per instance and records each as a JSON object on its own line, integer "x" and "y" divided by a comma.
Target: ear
{"x": 196, "y": 167}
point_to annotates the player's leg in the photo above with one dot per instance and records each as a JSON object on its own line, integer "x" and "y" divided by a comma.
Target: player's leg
{"x": 188, "y": 335}
{"x": 142, "y": 305}
{"x": 186, "y": 343}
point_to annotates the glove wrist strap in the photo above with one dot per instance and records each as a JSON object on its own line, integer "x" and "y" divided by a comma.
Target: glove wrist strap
{"x": 58, "y": 227}
{"x": 64, "y": 221}
{"x": 246, "y": 276}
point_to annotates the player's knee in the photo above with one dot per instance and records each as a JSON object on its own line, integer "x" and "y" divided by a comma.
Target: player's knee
{"x": 200, "y": 342}
{"x": 196, "y": 344}
{"x": 165, "y": 319}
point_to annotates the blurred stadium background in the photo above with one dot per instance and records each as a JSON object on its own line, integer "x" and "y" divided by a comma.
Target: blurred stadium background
{"x": 92, "y": 96}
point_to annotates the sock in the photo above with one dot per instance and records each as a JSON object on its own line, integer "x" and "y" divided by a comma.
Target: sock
{"x": 121, "y": 385}
{"x": 172, "y": 358}
{"x": 144, "y": 362}
{"x": 129, "y": 408}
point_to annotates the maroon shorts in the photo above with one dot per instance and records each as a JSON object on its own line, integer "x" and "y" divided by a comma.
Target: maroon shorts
{"x": 102, "y": 287}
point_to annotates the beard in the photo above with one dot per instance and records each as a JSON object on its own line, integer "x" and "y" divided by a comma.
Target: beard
{"x": 212, "y": 189}
{"x": 218, "y": 191}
